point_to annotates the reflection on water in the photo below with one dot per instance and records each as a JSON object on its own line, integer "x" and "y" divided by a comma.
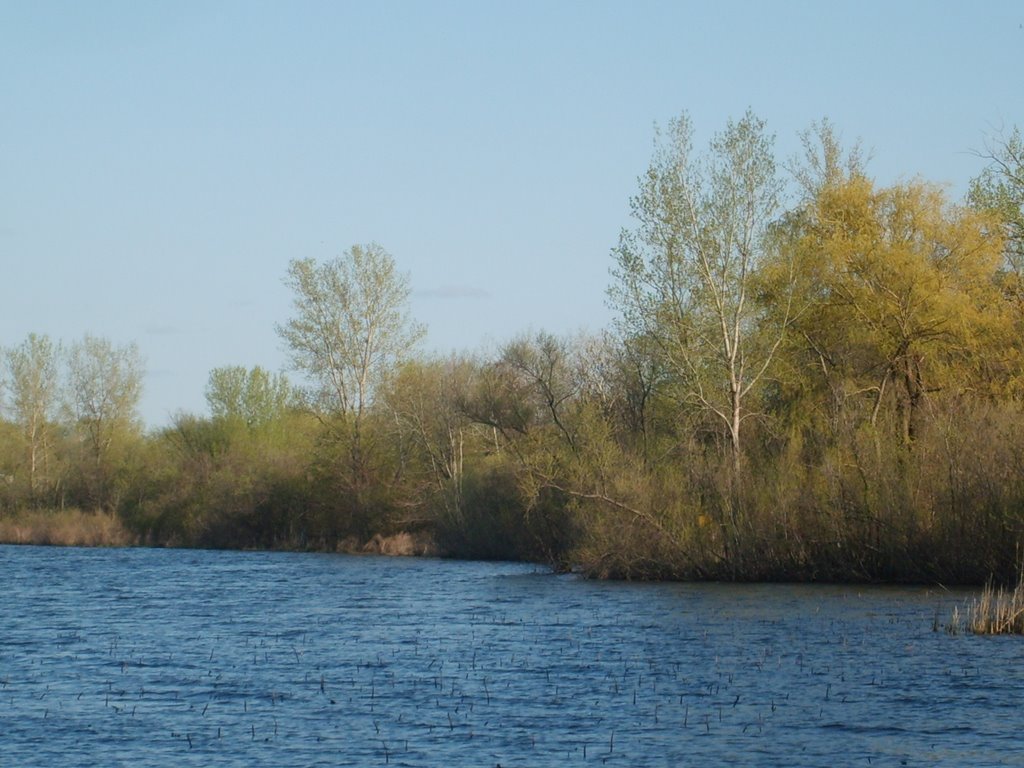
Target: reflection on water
{"x": 164, "y": 657}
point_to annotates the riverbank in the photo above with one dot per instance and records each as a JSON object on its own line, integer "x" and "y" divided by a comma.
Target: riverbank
{"x": 76, "y": 528}
{"x": 996, "y": 611}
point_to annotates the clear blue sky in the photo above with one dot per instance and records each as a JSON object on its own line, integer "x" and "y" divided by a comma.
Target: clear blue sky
{"x": 161, "y": 162}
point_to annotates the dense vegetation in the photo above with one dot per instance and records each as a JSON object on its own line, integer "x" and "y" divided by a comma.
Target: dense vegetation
{"x": 812, "y": 377}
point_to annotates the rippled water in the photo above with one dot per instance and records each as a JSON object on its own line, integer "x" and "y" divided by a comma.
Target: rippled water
{"x": 171, "y": 657}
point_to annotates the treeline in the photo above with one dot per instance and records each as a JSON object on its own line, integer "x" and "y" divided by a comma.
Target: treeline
{"x": 71, "y": 426}
{"x": 812, "y": 376}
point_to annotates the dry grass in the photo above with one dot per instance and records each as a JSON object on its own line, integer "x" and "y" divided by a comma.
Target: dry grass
{"x": 64, "y": 528}
{"x": 995, "y": 612}
{"x": 401, "y": 544}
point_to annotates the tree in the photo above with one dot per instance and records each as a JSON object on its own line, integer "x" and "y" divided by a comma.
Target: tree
{"x": 686, "y": 276}
{"x": 350, "y": 331}
{"x": 424, "y": 398}
{"x": 255, "y": 397}
{"x": 1000, "y": 189}
{"x": 824, "y": 161}
{"x": 351, "y": 326}
{"x": 104, "y": 387}
{"x": 543, "y": 367}
{"x": 903, "y": 295}
{"x": 33, "y": 381}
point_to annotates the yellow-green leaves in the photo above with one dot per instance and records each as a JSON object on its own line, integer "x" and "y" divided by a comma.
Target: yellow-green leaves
{"x": 901, "y": 291}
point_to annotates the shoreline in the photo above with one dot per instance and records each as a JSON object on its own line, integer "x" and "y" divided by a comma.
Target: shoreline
{"x": 100, "y": 530}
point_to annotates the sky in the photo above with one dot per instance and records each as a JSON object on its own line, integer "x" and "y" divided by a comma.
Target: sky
{"x": 161, "y": 162}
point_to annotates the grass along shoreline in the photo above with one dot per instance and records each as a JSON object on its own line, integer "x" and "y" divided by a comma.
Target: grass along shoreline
{"x": 996, "y": 610}
{"x": 65, "y": 528}
{"x": 74, "y": 527}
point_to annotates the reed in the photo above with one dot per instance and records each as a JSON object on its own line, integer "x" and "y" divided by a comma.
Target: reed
{"x": 997, "y": 611}
{"x": 65, "y": 527}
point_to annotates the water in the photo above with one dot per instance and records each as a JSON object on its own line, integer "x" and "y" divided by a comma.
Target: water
{"x": 161, "y": 657}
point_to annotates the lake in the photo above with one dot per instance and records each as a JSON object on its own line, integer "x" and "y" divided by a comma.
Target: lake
{"x": 177, "y": 657}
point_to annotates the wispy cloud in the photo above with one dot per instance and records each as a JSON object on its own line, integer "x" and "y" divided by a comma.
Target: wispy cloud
{"x": 453, "y": 292}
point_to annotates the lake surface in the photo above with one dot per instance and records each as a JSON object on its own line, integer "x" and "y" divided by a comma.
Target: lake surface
{"x": 175, "y": 657}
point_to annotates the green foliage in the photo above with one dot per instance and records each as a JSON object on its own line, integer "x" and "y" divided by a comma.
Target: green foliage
{"x": 900, "y": 297}
{"x": 104, "y": 387}
{"x": 867, "y": 340}
{"x": 215, "y": 482}
{"x": 685, "y": 276}
{"x": 350, "y": 332}
{"x": 31, "y": 377}
{"x": 999, "y": 189}
{"x": 254, "y": 397}
{"x": 351, "y": 326}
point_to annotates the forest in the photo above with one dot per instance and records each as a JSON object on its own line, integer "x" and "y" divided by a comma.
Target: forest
{"x": 811, "y": 376}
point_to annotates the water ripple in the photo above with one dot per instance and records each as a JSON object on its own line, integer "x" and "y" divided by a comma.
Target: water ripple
{"x": 158, "y": 657}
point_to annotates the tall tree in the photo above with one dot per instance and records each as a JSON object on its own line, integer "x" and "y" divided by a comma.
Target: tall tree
{"x": 351, "y": 326}
{"x": 33, "y": 382}
{"x": 104, "y": 387}
{"x": 686, "y": 276}
{"x": 350, "y": 331}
